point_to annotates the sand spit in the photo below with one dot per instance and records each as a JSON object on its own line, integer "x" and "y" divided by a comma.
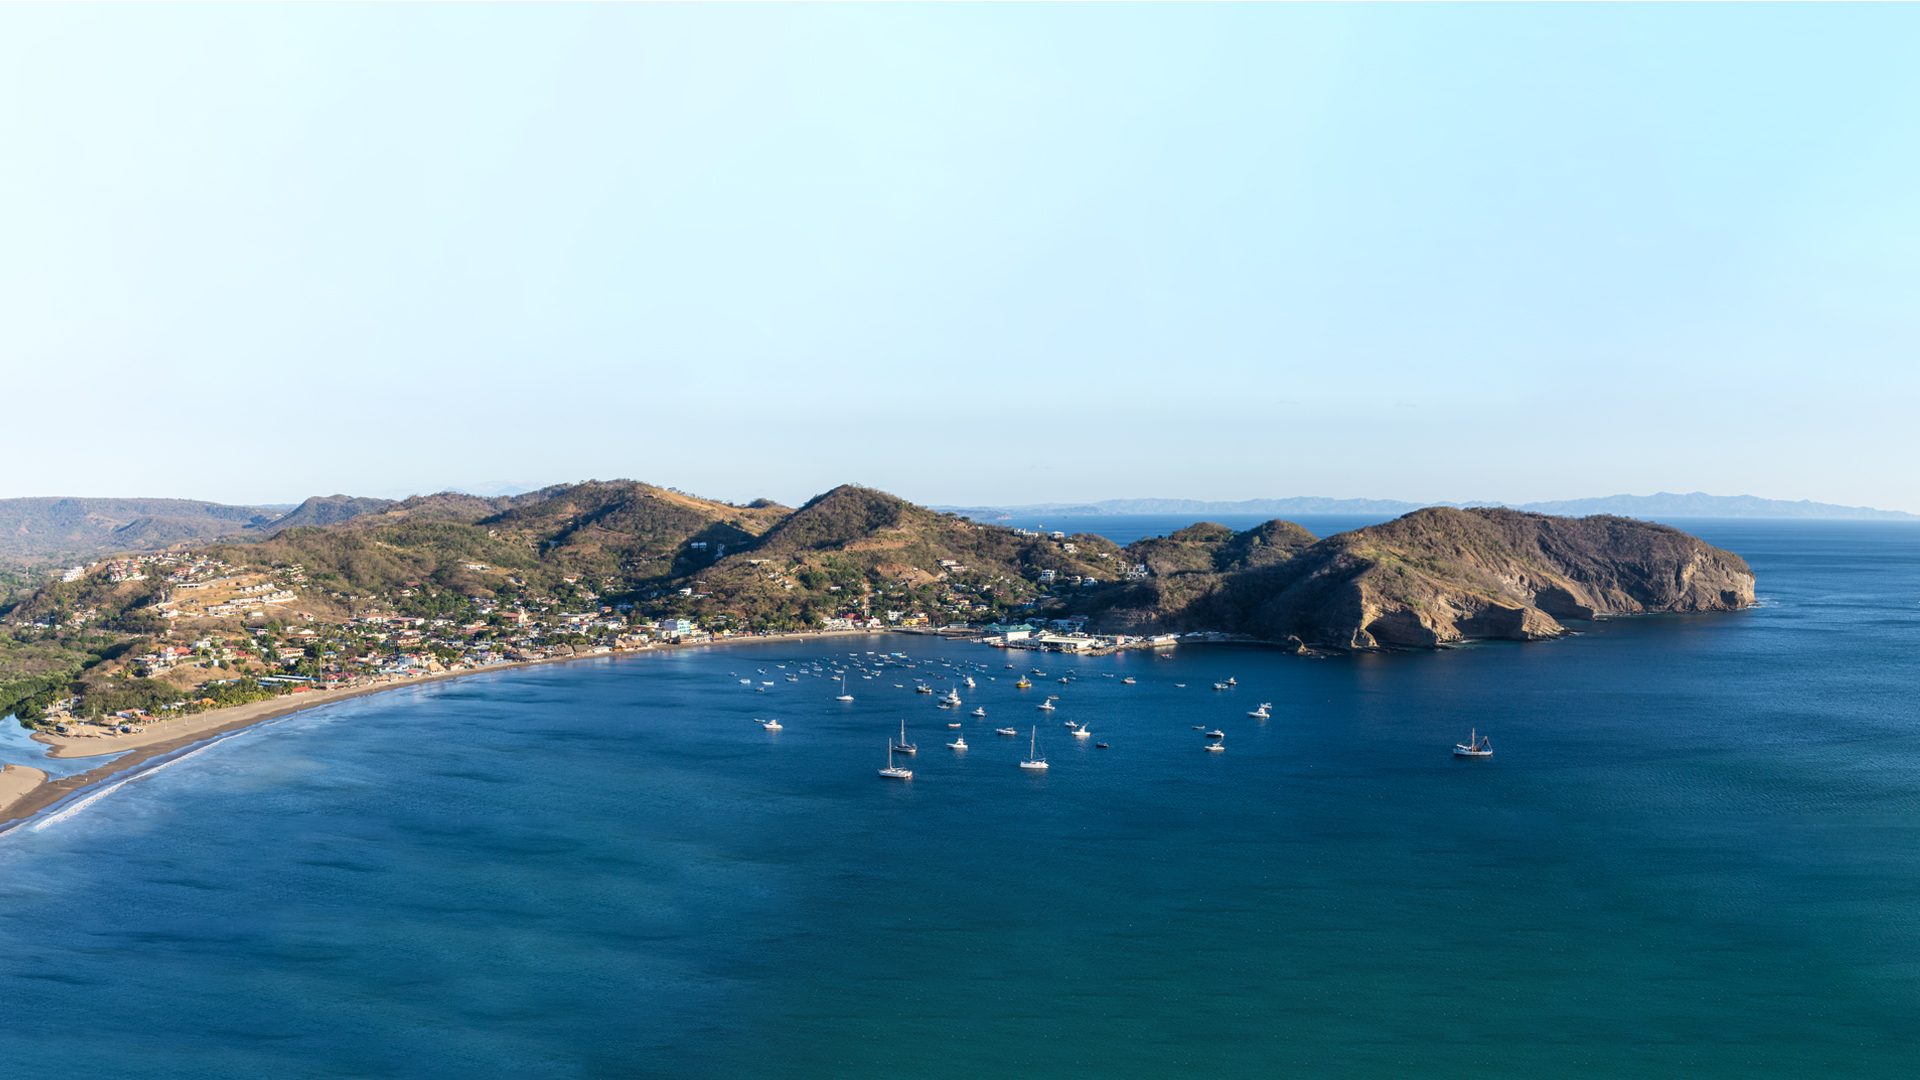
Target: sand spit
{"x": 15, "y": 782}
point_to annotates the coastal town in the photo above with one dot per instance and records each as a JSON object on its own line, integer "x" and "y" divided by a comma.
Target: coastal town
{"x": 220, "y": 634}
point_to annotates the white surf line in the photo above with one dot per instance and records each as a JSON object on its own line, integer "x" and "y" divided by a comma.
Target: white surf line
{"x": 140, "y": 775}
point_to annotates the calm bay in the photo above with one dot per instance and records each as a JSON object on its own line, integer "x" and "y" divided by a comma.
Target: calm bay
{"x": 1695, "y": 852}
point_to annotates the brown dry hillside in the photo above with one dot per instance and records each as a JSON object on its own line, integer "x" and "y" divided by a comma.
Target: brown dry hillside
{"x": 1441, "y": 575}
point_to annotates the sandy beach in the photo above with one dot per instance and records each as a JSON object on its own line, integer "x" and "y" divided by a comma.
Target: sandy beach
{"x": 35, "y": 793}
{"x": 15, "y": 782}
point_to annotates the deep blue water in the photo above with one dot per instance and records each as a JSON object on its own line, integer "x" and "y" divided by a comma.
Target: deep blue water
{"x": 1126, "y": 528}
{"x": 1696, "y": 853}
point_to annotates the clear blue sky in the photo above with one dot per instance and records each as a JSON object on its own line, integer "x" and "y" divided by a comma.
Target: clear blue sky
{"x": 973, "y": 253}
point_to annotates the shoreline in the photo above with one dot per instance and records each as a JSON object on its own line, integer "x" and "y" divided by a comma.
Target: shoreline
{"x": 44, "y": 793}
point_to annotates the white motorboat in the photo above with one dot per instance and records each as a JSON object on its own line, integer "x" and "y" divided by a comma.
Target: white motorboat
{"x": 1477, "y": 745}
{"x": 958, "y": 744}
{"x": 1081, "y": 733}
{"x": 1216, "y": 734}
{"x": 1034, "y": 760}
{"x": 892, "y": 773}
{"x": 1129, "y": 680}
{"x": 1005, "y": 731}
{"x": 953, "y": 725}
{"x": 1215, "y": 746}
{"x": 770, "y": 725}
{"x": 1045, "y": 706}
{"x": 1261, "y": 713}
{"x": 979, "y": 712}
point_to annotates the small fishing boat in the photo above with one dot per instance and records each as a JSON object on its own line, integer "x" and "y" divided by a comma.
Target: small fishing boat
{"x": 1477, "y": 745}
{"x": 746, "y": 682}
{"x": 1261, "y": 713}
{"x": 1181, "y": 685}
{"x": 923, "y": 688}
{"x": 1221, "y": 686}
{"x": 1231, "y": 681}
{"x": 1005, "y": 731}
{"x": 1081, "y": 733}
{"x": 903, "y": 746}
{"x": 1023, "y": 684}
{"x": 1216, "y": 734}
{"x": 979, "y": 712}
{"x": 958, "y": 744}
{"x": 892, "y": 773}
{"x": 1045, "y": 706}
{"x": 953, "y": 725}
{"x": 1100, "y": 746}
{"x": 1129, "y": 680}
{"x": 770, "y": 725}
{"x": 1034, "y": 760}
{"x": 1215, "y": 746}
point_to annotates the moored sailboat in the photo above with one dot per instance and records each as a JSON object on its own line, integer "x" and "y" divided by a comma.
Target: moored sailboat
{"x": 1034, "y": 760}
{"x": 1477, "y": 745}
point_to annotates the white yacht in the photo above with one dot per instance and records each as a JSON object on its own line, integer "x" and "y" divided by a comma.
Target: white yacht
{"x": 1034, "y": 760}
{"x": 958, "y": 744}
{"x": 892, "y": 773}
{"x": 1005, "y": 731}
{"x": 980, "y": 712}
{"x": 1261, "y": 713}
{"x": 770, "y": 725}
{"x": 1477, "y": 745}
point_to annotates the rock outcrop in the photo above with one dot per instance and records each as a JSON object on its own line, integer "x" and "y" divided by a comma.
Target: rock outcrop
{"x": 1442, "y": 575}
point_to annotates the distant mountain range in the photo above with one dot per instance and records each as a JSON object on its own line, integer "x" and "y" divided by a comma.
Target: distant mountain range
{"x": 1661, "y": 505}
{"x": 59, "y": 530}
{"x": 52, "y": 529}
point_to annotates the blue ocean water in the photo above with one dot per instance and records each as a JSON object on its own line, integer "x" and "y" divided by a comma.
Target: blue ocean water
{"x": 1696, "y": 852}
{"x": 1126, "y": 528}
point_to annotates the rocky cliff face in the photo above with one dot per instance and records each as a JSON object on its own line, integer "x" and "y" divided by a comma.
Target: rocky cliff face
{"x": 1442, "y": 575}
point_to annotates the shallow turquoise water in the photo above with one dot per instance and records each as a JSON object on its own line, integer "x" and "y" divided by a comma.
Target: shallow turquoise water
{"x": 1695, "y": 853}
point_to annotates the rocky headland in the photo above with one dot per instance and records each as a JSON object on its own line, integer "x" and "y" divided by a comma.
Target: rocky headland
{"x": 1432, "y": 578}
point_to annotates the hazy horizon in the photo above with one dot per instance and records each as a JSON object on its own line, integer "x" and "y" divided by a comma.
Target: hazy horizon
{"x": 964, "y": 254}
